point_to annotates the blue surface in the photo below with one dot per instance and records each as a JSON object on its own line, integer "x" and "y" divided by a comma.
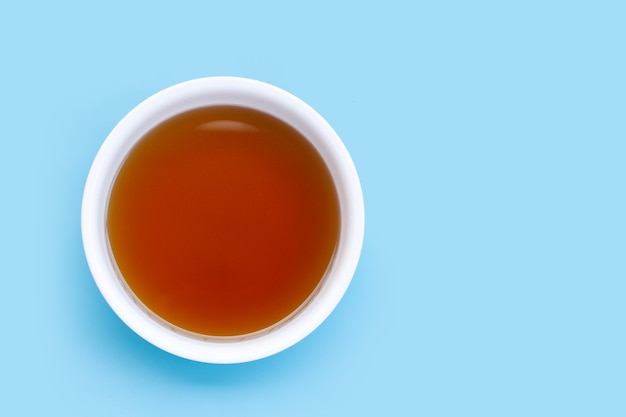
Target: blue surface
{"x": 491, "y": 144}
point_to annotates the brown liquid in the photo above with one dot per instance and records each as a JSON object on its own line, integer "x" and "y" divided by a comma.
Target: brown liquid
{"x": 223, "y": 220}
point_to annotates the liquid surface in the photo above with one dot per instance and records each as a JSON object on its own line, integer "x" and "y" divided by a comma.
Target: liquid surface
{"x": 223, "y": 220}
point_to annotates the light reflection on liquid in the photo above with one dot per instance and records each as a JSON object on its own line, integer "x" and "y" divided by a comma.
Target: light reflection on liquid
{"x": 228, "y": 125}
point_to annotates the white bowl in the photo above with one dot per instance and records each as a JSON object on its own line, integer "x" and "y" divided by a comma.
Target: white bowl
{"x": 201, "y": 93}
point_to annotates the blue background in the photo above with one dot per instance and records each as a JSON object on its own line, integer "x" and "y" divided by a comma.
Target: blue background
{"x": 490, "y": 138}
